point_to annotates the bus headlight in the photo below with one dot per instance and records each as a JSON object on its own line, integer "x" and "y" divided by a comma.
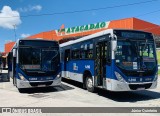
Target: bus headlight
{"x": 119, "y": 77}
{"x": 156, "y": 77}
{"x": 59, "y": 75}
{"x": 21, "y": 76}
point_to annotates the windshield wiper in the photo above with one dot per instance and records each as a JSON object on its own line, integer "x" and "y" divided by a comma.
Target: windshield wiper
{"x": 54, "y": 56}
{"x": 47, "y": 59}
{"x": 50, "y": 59}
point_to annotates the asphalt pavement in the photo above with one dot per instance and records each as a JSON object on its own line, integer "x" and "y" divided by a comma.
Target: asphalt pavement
{"x": 71, "y": 94}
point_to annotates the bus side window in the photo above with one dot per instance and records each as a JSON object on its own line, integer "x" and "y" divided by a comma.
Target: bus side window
{"x": 90, "y": 51}
{"x": 90, "y": 54}
{"x": 75, "y": 54}
{"x": 86, "y": 51}
{"x": 82, "y": 54}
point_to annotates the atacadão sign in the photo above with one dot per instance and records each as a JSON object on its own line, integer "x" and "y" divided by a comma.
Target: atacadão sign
{"x": 83, "y": 28}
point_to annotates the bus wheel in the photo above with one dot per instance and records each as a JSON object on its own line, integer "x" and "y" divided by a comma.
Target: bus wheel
{"x": 89, "y": 84}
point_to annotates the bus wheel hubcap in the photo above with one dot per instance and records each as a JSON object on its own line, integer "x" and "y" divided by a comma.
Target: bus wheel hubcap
{"x": 89, "y": 83}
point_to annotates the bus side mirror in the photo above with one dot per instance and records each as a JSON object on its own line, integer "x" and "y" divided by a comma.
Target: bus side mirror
{"x": 14, "y": 53}
{"x": 114, "y": 45}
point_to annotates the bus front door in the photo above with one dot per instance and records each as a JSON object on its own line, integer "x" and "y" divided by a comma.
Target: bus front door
{"x": 66, "y": 63}
{"x": 100, "y": 63}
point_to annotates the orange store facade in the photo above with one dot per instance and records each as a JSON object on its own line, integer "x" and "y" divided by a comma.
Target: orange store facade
{"x": 64, "y": 34}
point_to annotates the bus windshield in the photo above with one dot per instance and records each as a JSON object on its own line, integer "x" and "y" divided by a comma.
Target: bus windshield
{"x": 135, "y": 55}
{"x": 48, "y": 58}
{"x": 37, "y": 58}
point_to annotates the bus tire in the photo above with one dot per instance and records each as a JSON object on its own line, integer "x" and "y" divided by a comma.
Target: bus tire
{"x": 21, "y": 90}
{"x": 14, "y": 81}
{"x": 89, "y": 84}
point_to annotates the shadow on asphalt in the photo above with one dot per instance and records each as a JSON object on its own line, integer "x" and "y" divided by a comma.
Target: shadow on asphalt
{"x": 132, "y": 96}
{"x": 62, "y": 87}
{"x": 75, "y": 83}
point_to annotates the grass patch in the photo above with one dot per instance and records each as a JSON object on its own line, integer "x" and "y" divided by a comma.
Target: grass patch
{"x": 158, "y": 57}
{"x": 158, "y": 72}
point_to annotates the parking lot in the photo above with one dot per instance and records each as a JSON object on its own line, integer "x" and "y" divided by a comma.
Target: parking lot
{"x": 71, "y": 94}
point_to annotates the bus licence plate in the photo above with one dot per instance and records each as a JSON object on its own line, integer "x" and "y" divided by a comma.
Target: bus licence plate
{"x": 41, "y": 85}
{"x": 142, "y": 88}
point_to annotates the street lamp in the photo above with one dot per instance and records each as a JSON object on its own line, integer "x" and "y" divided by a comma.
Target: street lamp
{"x": 14, "y": 26}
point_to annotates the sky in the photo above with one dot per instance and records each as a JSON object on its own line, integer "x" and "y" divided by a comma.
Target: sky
{"x": 30, "y": 18}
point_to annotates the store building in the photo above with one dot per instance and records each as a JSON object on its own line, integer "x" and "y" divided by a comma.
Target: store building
{"x": 64, "y": 34}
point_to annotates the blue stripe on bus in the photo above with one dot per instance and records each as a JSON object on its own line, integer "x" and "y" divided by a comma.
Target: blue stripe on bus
{"x": 79, "y": 66}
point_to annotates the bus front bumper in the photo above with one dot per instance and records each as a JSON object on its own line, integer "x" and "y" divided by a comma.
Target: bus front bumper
{"x": 32, "y": 84}
{"x": 115, "y": 85}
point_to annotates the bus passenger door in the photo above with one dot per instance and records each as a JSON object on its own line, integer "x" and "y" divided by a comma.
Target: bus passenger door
{"x": 100, "y": 63}
{"x": 66, "y": 63}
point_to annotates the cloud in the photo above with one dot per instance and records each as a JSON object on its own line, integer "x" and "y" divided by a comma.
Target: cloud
{"x": 37, "y": 7}
{"x": 24, "y": 35}
{"x": 30, "y": 8}
{"x": 9, "y": 18}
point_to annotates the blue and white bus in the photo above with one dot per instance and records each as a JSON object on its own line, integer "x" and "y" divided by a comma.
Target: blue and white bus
{"x": 114, "y": 59}
{"x": 0, "y": 63}
{"x": 34, "y": 63}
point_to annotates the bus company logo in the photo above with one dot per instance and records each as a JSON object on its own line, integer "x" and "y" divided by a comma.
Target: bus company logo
{"x": 87, "y": 66}
{"x": 75, "y": 67}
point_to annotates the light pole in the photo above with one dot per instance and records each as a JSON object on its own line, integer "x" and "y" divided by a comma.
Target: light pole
{"x": 14, "y": 26}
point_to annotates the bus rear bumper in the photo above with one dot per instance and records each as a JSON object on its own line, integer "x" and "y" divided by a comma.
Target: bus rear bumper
{"x": 32, "y": 84}
{"x": 115, "y": 85}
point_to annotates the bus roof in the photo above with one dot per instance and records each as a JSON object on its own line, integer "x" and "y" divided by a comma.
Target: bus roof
{"x": 38, "y": 39}
{"x": 87, "y": 37}
{"x": 107, "y": 31}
